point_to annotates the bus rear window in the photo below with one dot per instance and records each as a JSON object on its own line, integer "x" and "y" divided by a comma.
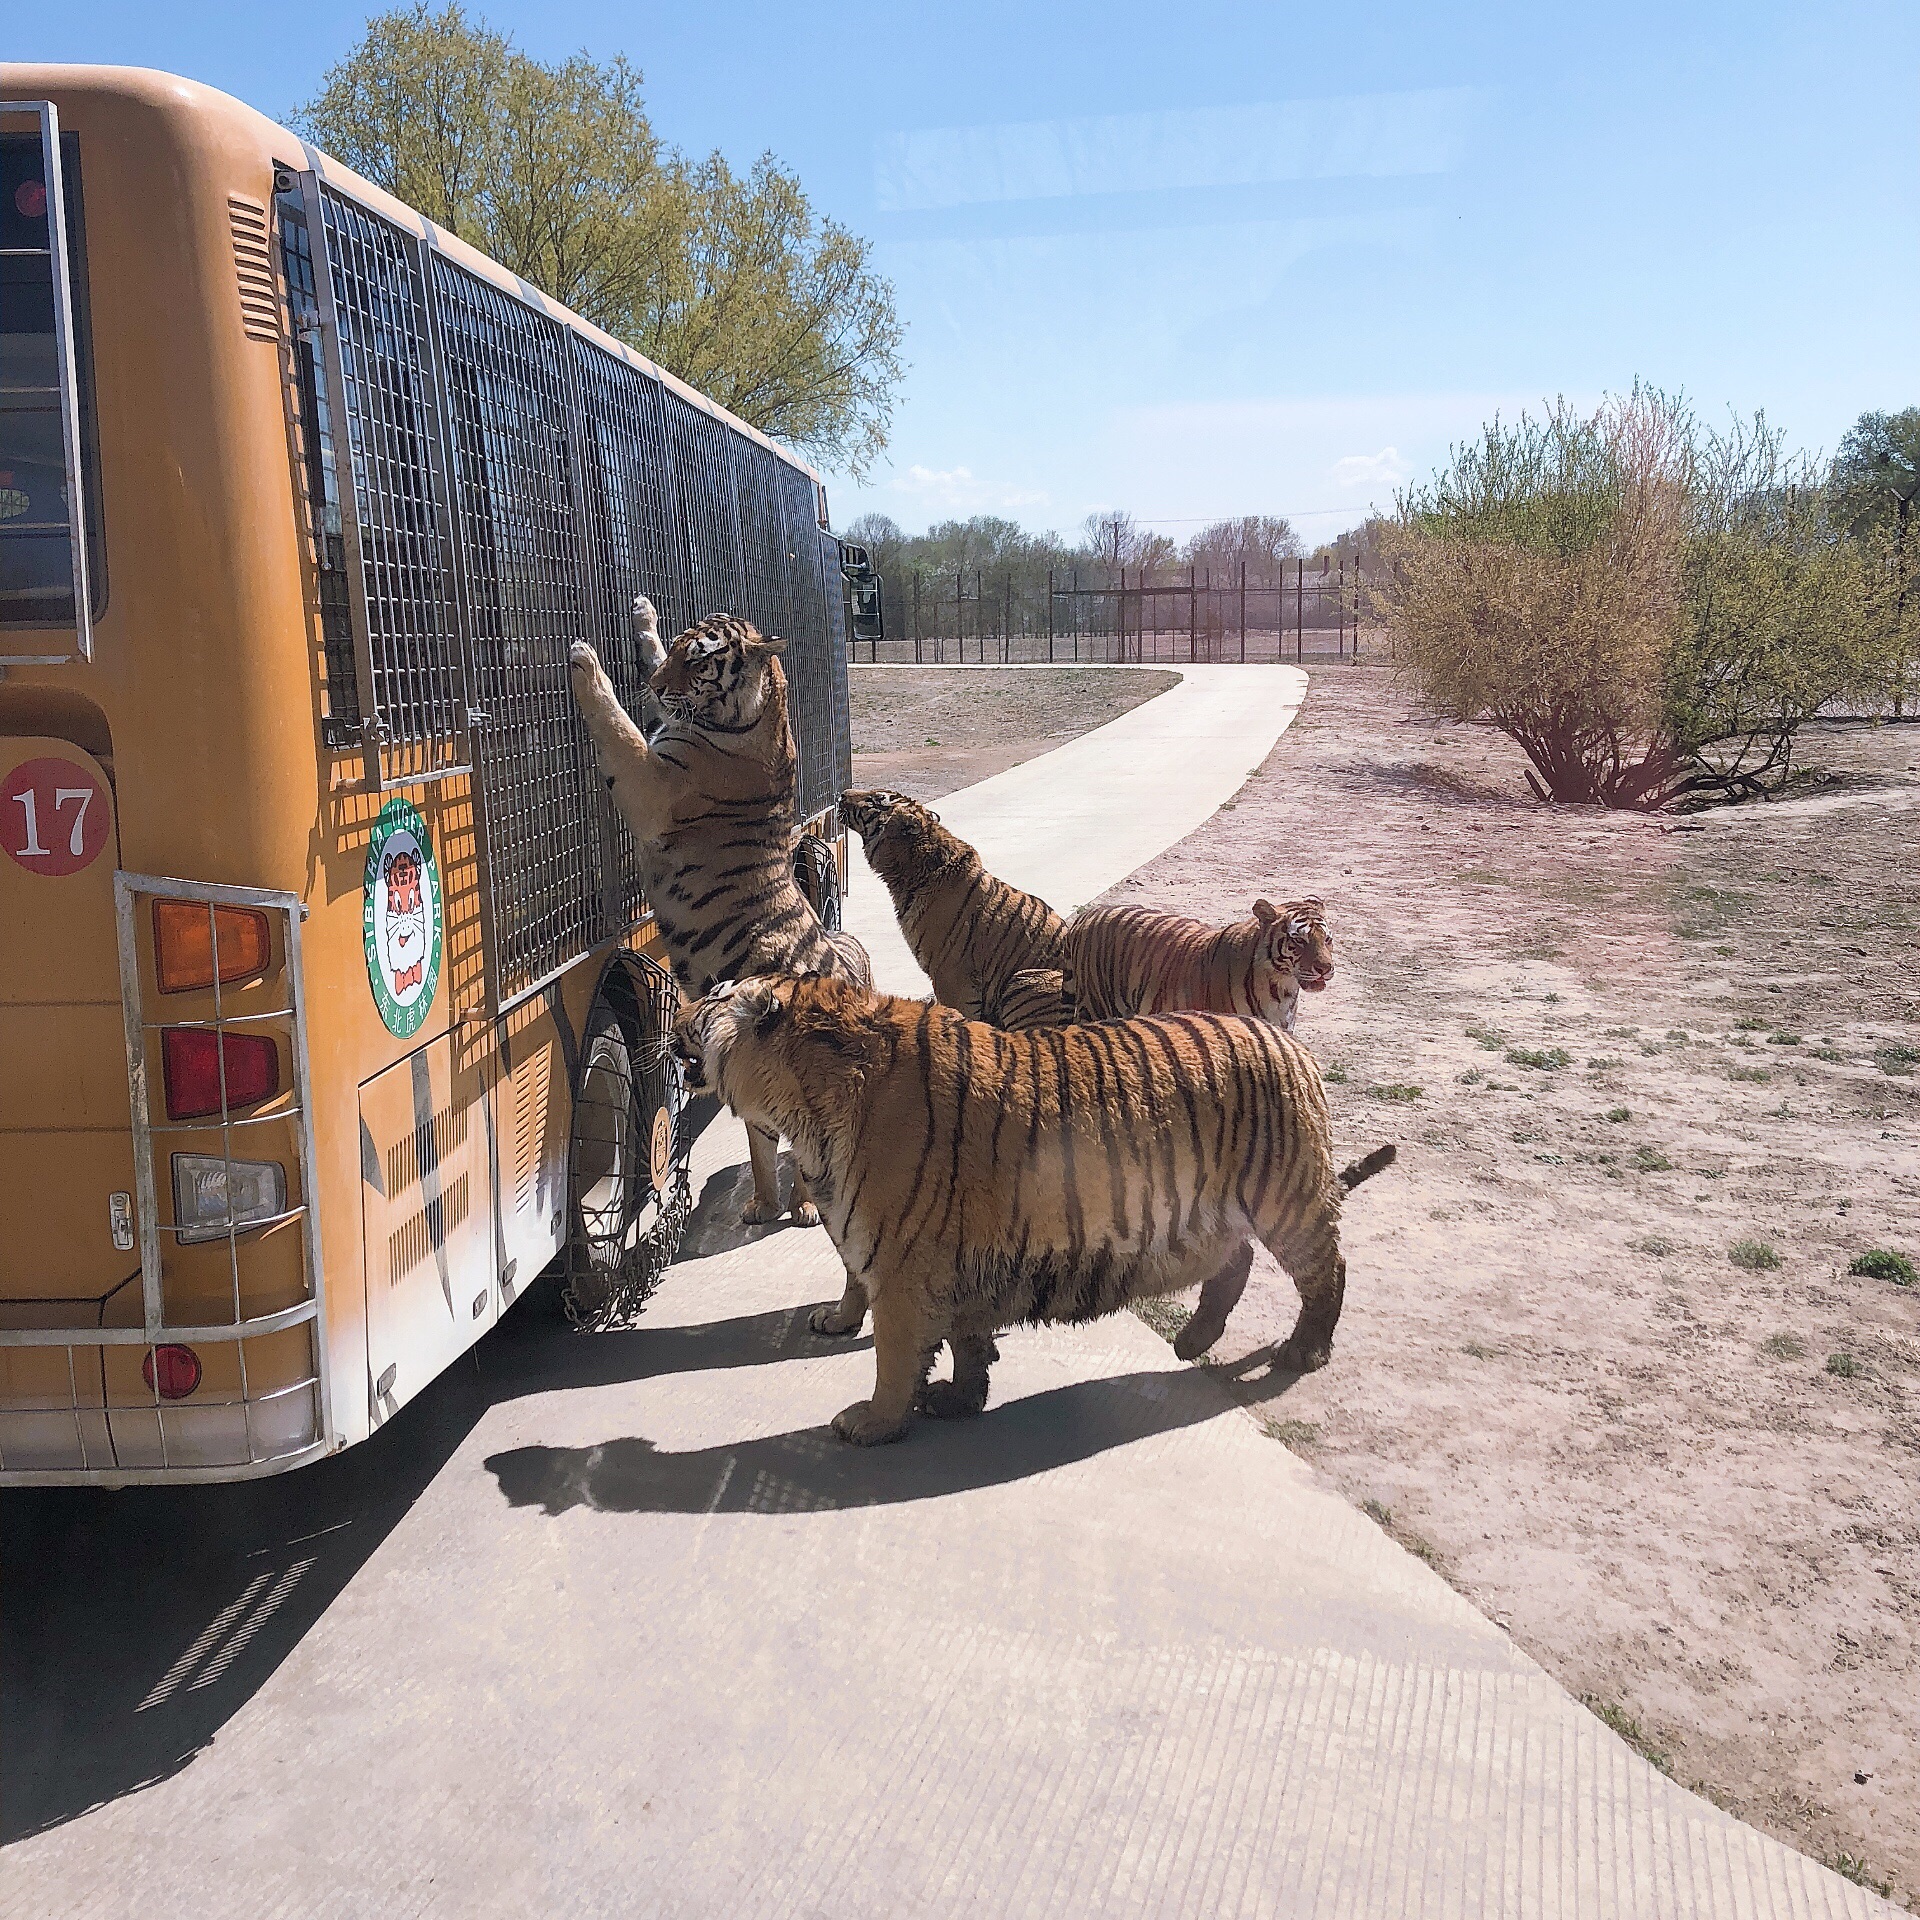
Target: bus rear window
{"x": 37, "y": 570}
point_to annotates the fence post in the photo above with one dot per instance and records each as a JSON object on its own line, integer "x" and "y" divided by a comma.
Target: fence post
{"x": 1340, "y": 615}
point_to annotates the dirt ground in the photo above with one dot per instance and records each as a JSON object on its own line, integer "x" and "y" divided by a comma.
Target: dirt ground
{"x": 1612, "y": 1050}
{"x": 1602, "y": 1362}
{"x": 926, "y": 731}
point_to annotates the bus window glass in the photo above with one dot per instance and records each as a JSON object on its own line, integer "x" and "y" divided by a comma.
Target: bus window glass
{"x": 36, "y": 554}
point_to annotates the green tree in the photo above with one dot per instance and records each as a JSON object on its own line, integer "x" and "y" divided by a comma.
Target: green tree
{"x": 1262, "y": 541}
{"x": 1874, "y": 482}
{"x": 736, "y": 285}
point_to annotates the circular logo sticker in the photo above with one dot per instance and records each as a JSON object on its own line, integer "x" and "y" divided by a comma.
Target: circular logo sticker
{"x": 401, "y": 920}
{"x": 54, "y": 816}
{"x": 660, "y": 1150}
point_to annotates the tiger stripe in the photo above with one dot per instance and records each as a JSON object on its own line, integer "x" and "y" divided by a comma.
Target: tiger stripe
{"x": 973, "y": 935}
{"x": 1121, "y": 961}
{"x": 973, "y": 1178}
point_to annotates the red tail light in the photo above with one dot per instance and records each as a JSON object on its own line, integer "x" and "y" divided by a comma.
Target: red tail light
{"x": 171, "y": 1372}
{"x": 184, "y": 933}
{"x": 190, "y": 1064}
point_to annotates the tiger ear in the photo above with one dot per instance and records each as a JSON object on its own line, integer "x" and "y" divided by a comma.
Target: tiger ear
{"x": 763, "y": 1007}
{"x": 1265, "y": 910}
{"x": 767, "y": 643}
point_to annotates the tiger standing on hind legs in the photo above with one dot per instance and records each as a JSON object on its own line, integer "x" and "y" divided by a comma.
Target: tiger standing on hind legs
{"x": 974, "y": 1179}
{"x": 710, "y": 800}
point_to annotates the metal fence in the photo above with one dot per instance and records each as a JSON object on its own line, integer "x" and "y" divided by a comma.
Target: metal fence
{"x": 510, "y": 486}
{"x": 1191, "y": 614}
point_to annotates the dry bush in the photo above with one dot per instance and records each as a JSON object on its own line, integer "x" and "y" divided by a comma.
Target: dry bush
{"x": 1535, "y": 584}
{"x": 1650, "y": 609}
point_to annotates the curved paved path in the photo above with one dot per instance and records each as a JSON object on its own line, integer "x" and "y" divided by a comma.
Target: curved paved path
{"x": 651, "y": 1642}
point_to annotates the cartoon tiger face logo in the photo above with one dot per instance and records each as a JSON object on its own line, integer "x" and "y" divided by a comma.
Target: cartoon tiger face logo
{"x": 406, "y": 920}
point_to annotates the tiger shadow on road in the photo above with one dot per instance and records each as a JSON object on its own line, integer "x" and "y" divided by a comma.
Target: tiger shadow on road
{"x": 808, "y": 1470}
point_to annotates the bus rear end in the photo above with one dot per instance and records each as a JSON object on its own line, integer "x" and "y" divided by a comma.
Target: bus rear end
{"x": 159, "y": 1311}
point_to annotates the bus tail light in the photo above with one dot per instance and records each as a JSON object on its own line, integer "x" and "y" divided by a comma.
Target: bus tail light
{"x": 171, "y": 1372}
{"x": 190, "y": 1060}
{"x": 185, "y": 933}
{"x": 205, "y": 1187}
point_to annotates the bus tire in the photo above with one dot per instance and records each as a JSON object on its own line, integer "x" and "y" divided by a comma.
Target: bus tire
{"x": 628, "y": 1195}
{"x": 816, "y": 872}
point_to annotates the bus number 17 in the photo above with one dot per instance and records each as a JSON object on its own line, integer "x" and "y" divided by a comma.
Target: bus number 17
{"x": 61, "y": 795}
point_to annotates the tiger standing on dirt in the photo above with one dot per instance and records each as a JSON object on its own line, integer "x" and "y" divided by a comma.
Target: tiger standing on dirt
{"x": 1128, "y": 960}
{"x": 710, "y": 802}
{"x": 974, "y": 1179}
{"x": 970, "y": 932}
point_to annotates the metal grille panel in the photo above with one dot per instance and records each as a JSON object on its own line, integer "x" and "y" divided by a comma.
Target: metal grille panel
{"x": 817, "y": 648}
{"x": 412, "y": 689}
{"x": 763, "y": 537}
{"x": 513, "y": 486}
{"x": 313, "y": 419}
{"x": 715, "y": 579}
{"x": 509, "y": 404}
{"x": 638, "y": 547}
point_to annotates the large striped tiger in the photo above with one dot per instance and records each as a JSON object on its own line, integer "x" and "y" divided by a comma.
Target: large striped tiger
{"x": 710, "y": 802}
{"x": 1128, "y": 960}
{"x": 970, "y": 932}
{"x": 974, "y": 1179}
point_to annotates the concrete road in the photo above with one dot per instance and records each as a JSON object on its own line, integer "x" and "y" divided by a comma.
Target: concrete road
{"x": 613, "y": 1626}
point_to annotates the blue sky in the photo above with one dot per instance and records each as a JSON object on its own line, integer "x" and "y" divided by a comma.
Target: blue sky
{"x": 1206, "y": 259}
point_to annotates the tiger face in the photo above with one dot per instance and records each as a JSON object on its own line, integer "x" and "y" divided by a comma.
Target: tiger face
{"x": 737, "y": 1042}
{"x": 716, "y": 674}
{"x": 1295, "y": 952}
{"x": 898, "y": 835}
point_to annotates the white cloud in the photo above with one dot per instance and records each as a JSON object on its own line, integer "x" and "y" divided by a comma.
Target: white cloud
{"x": 1378, "y": 135}
{"x": 956, "y": 490}
{"x": 1374, "y": 471}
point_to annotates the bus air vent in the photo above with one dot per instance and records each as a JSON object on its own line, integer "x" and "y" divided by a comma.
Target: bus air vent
{"x": 259, "y": 299}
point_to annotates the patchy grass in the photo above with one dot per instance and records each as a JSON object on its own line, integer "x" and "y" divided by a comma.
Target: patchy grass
{"x": 1480, "y": 1350}
{"x": 1618, "y": 1113}
{"x": 1881, "y": 1263}
{"x": 1849, "y": 1866}
{"x": 1489, "y": 1038}
{"x": 1166, "y": 1317}
{"x": 1754, "y": 1255}
{"x": 1382, "y": 1517}
{"x": 1897, "y": 1059}
{"x": 1784, "y": 1040}
{"x": 1601, "y": 1063}
{"x": 1651, "y": 1160}
{"x": 1750, "y": 1023}
{"x": 1609, "y": 1714}
{"x": 1844, "y": 1366}
{"x": 1829, "y": 1053}
{"x": 1290, "y": 1433}
{"x": 1653, "y": 1244}
{"x": 1756, "y": 1076}
{"x": 1541, "y": 1060}
{"x": 1334, "y": 1076}
{"x": 1397, "y": 1090}
{"x": 1784, "y": 1346}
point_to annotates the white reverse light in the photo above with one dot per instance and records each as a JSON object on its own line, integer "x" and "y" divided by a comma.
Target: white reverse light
{"x": 204, "y": 1185}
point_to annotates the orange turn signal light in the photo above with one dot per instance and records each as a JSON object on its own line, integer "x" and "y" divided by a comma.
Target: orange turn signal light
{"x": 188, "y": 933}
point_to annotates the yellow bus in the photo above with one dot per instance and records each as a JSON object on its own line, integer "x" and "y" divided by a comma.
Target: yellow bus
{"x": 327, "y": 1001}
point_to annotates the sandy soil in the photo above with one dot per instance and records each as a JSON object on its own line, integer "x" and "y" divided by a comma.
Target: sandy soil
{"x": 1613, "y": 1050}
{"x": 927, "y": 731}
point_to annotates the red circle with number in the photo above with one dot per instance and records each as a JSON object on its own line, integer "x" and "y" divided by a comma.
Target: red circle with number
{"x": 54, "y": 816}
